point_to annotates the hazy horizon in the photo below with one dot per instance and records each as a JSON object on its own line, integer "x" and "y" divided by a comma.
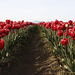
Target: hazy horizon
{"x": 37, "y": 10}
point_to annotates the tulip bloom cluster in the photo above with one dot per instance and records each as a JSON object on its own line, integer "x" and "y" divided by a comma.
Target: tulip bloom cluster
{"x": 1, "y": 44}
{"x": 8, "y": 25}
{"x": 67, "y": 27}
{"x": 5, "y": 27}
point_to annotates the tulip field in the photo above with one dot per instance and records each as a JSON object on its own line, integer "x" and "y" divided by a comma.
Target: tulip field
{"x": 61, "y": 36}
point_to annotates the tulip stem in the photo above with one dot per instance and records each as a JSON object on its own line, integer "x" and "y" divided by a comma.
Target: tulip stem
{"x": 66, "y": 49}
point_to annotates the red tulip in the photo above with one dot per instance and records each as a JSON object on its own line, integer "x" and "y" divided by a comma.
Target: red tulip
{"x": 70, "y": 22}
{"x": 59, "y": 27}
{"x": 66, "y": 34}
{"x": 5, "y": 27}
{"x": 8, "y": 26}
{"x": 60, "y": 32}
{"x": 22, "y": 21}
{"x": 54, "y": 27}
{"x": 63, "y": 27}
{"x": 2, "y": 24}
{"x": 13, "y": 26}
{"x": 73, "y": 38}
{"x": 74, "y": 28}
{"x": 44, "y": 24}
{"x": 17, "y": 26}
{"x": 64, "y": 41}
{"x": 48, "y": 25}
{"x": 70, "y": 27}
{"x": 56, "y": 22}
{"x": 72, "y": 33}
{"x": 8, "y": 21}
{"x": 22, "y": 25}
{"x": 6, "y": 31}
{"x": 1, "y": 44}
{"x": 1, "y": 31}
{"x": 3, "y": 35}
{"x": 11, "y": 22}
{"x": 70, "y": 30}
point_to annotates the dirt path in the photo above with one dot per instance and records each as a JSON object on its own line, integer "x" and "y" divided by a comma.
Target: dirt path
{"x": 33, "y": 57}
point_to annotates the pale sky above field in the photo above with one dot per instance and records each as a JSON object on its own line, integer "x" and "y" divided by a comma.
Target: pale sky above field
{"x": 37, "y": 10}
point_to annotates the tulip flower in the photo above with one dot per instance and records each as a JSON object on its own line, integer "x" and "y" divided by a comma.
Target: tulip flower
{"x": 56, "y": 22}
{"x": 54, "y": 27}
{"x": 64, "y": 41}
{"x": 1, "y": 44}
{"x": 48, "y": 25}
{"x": 60, "y": 32}
{"x": 58, "y": 27}
{"x": 8, "y": 21}
{"x": 6, "y": 31}
{"x": 66, "y": 34}
{"x": 1, "y": 31}
{"x": 70, "y": 22}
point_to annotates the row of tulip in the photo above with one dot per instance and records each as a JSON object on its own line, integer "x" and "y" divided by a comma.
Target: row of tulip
{"x": 60, "y": 34}
{"x": 10, "y": 34}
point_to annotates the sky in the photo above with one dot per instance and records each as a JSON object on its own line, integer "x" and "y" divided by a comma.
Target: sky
{"x": 37, "y": 10}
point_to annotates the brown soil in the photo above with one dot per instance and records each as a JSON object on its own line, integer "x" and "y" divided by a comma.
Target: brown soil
{"x": 33, "y": 57}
